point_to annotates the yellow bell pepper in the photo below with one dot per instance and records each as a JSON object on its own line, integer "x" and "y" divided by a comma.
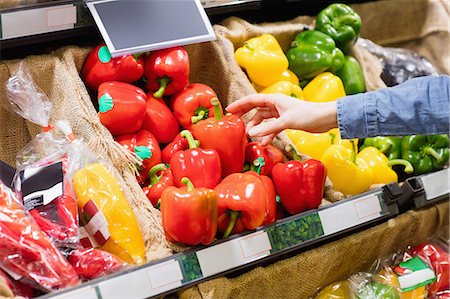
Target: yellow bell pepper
{"x": 287, "y": 75}
{"x": 285, "y": 87}
{"x": 311, "y": 144}
{"x": 348, "y": 176}
{"x": 325, "y": 87}
{"x": 263, "y": 59}
{"x": 388, "y": 277}
{"x": 380, "y": 165}
{"x": 100, "y": 197}
{"x": 315, "y": 144}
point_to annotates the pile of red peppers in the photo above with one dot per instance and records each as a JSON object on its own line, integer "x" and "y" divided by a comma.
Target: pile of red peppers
{"x": 198, "y": 166}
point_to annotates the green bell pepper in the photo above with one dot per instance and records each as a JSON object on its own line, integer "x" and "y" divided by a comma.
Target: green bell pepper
{"x": 341, "y": 23}
{"x": 426, "y": 153}
{"x": 391, "y": 146}
{"x": 352, "y": 76}
{"x": 313, "y": 52}
{"x": 378, "y": 290}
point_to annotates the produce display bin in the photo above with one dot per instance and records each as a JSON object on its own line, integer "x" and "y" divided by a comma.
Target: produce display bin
{"x": 405, "y": 214}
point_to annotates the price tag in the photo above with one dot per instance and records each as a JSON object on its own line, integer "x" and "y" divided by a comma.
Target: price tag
{"x": 143, "y": 283}
{"x": 436, "y": 184}
{"x": 85, "y": 293}
{"x": 40, "y": 20}
{"x": 234, "y": 253}
{"x": 351, "y": 213}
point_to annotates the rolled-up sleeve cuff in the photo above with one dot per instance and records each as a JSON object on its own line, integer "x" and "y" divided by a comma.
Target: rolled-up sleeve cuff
{"x": 357, "y": 116}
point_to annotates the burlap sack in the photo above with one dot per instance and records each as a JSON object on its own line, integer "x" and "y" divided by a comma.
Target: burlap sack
{"x": 300, "y": 276}
{"x": 57, "y": 74}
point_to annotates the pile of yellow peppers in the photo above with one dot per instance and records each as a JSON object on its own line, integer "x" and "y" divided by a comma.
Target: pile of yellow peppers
{"x": 351, "y": 173}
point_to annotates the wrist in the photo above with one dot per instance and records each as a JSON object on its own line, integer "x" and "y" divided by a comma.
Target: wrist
{"x": 328, "y": 117}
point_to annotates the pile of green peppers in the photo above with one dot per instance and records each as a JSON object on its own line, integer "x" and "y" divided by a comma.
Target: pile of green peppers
{"x": 327, "y": 48}
{"x": 426, "y": 153}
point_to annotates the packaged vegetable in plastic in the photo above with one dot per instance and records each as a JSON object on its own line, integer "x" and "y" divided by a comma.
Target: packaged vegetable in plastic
{"x": 43, "y": 166}
{"x": 107, "y": 213}
{"x": 338, "y": 290}
{"x": 26, "y": 251}
{"x": 11, "y": 288}
{"x": 399, "y": 65}
{"x": 92, "y": 263}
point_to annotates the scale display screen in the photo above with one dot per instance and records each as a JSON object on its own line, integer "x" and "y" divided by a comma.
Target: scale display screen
{"x": 136, "y": 26}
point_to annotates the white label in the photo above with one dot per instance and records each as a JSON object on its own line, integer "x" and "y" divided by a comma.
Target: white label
{"x": 165, "y": 274}
{"x": 436, "y": 184}
{"x": 233, "y": 253}
{"x": 85, "y": 293}
{"x": 351, "y": 213}
{"x": 36, "y": 21}
{"x": 143, "y": 283}
{"x": 415, "y": 278}
{"x": 255, "y": 244}
{"x": 61, "y": 16}
{"x": 48, "y": 195}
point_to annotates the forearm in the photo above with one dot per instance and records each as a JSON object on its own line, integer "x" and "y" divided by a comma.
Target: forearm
{"x": 418, "y": 106}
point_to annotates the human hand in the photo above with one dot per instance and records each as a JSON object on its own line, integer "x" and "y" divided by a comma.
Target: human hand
{"x": 276, "y": 112}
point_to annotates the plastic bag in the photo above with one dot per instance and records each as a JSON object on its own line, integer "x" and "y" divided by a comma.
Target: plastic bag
{"x": 419, "y": 273}
{"x": 399, "y": 65}
{"x": 92, "y": 263}
{"x": 11, "y": 288}
{"x": 26, "y": 251}
{"x": 106, "y": 214}
{"x": 42, "y": 179}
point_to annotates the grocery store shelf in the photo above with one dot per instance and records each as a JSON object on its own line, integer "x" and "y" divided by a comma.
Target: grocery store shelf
{"x": 240, "y": 251}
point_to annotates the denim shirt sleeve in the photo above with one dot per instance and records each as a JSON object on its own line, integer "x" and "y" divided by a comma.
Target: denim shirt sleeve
{"x": 418, "y": 106}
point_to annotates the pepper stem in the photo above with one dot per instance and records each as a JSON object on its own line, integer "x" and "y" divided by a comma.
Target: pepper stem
{"x": 385, "y": 147}
{"x": 188, "y": 183}
{"x": 136, "y": 56}
{"x": 257, "y": 164}
{"x": 163, "y": 82}
{"x": 290, "y": 149}
{"x": 432, "y": 152}
{"x": 191, "y": 141}
{"x": 218, "y": 114}
{"x": 233, "y": 217}
{"x": 158, "y": 205}
{"x": 408, "y": 166}
{"x": 196, "y": 118}
{"x": 154, "y": 178}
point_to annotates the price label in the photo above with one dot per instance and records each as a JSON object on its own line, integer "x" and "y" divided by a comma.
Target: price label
{"x": 436, "y": 184}
{"x": 143, "y": 283}
{"x": 350, "y": 213}
{"x": 85, "y": 293}
{"x": 40, "y": 20}
{"x": 234, "y": 253}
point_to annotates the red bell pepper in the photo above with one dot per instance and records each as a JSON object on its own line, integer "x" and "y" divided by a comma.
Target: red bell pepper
{"x": 271, "y": 204}
{"x": 159, "y": 120}
{"x": 100, "y": 67}
{"x": 92, "y": 263}
{"x": 158, "y": 183}
{"x": 178, "y": 144}
{"x": 226, "y": 135}
{"x": 189, "y": 215}
{"x": 439, "y": 259}
{"x": 27, "y": 251}
{"x": 144, "y": 145}
{"x": 122, "y": 107}
{"x": 193, "y": 104}
{"x": 242, "y": 203}
{"x": 299, "y": 185}
{"x": 167, "y": 71}
{"x": 201, "y": 166}
{"x": 269, "y": 153}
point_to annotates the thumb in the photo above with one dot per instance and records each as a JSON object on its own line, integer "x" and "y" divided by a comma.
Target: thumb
{"x": 267, "y": 128}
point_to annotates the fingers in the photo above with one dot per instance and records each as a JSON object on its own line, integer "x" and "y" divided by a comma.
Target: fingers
{"x": 267, "y": 139}
{"x": 268, "y": 128}
{"x": 258, "y": 117}
{"x": 249, "y": 102}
